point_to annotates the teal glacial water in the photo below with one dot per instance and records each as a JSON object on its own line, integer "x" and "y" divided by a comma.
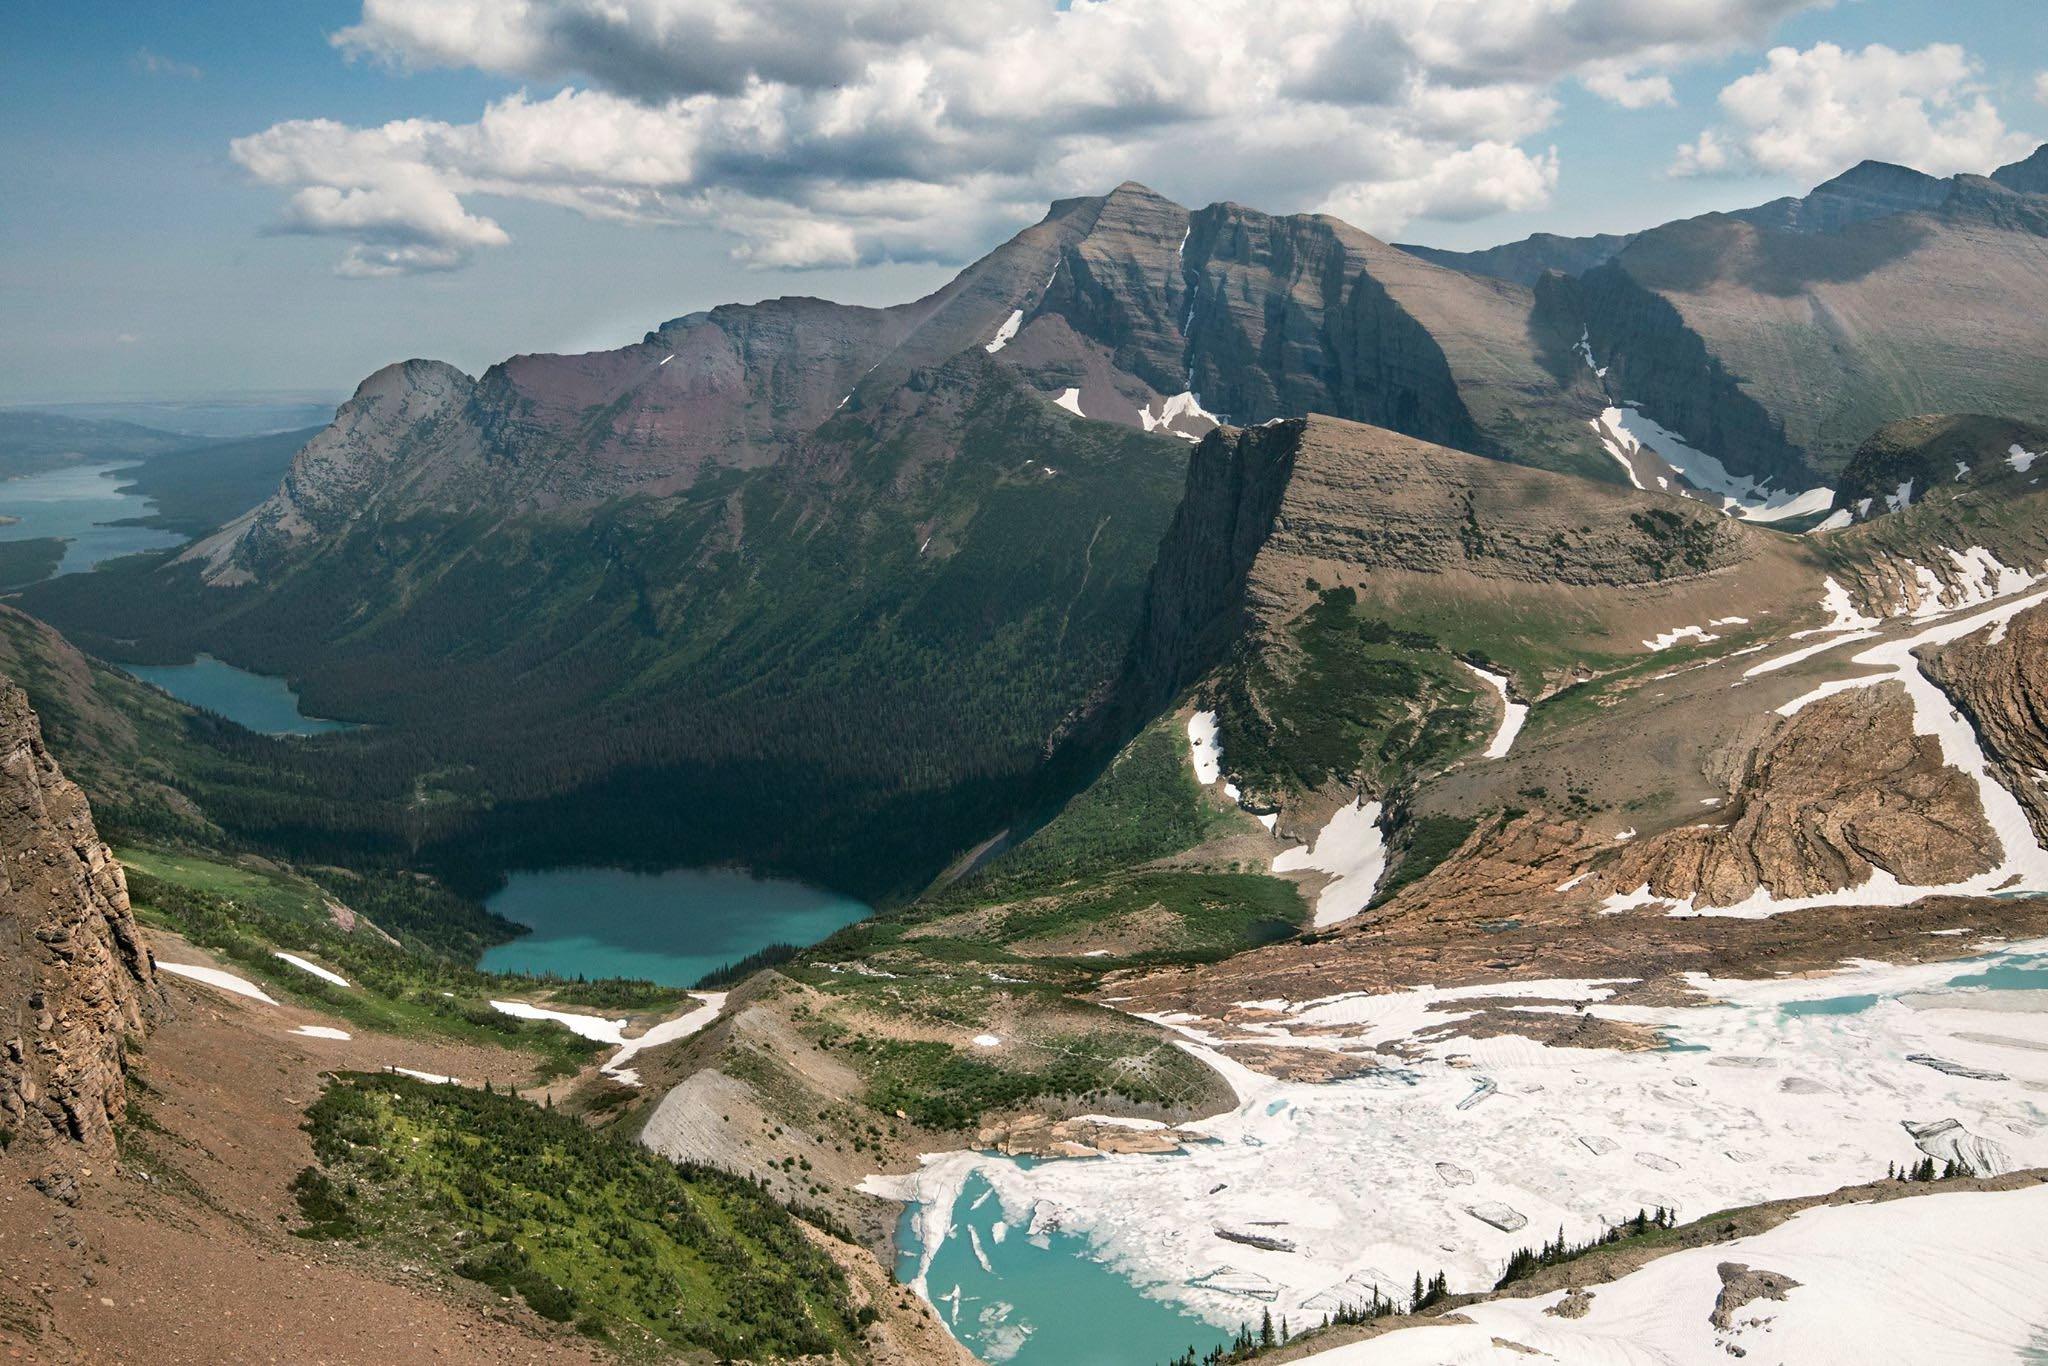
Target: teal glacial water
{"x": 1050, "y": 1305}
{"x": 77, "y": 503}
{"x": 670, "y": 927}
{"x": 1830, "y": 1005}
{"x": 2028, "y": 972}
{"x": 1997, "y": 972}
{"x": 264, "y": 704}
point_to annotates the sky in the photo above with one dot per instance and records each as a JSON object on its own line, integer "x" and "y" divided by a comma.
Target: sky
{"x": 229, "y": 197}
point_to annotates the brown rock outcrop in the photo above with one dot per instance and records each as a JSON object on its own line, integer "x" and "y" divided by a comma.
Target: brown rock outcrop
{"x": 1741, "y": 1286}
{"x": 1844, "y": 788}
{"x": 1043, "y": 1136}
{"x": 2002, "y": 685}
{"x": 73, "y": 969}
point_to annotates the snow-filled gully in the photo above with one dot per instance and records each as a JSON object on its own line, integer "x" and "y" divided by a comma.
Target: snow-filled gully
{"x": 1513, "y": 714}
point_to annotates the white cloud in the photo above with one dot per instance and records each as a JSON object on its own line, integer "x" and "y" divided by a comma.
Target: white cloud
{"x": 2041, "y": 87}
{"x": 1814, "y": 112}
{"x": 833, "y": 132}
{"x": 1480, "y": 180}
{"x": 156, "y": 64}
{"x": 1615, "y": 85}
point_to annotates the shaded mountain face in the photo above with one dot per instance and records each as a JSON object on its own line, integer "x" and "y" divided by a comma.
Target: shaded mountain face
{"x": 1529, "y": 260}
{"x": 1920, "y": 454}
{"x": 1778, "y": 338}
{"x": 844, "y": 666}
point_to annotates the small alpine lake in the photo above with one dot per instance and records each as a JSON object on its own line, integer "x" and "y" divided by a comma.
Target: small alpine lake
{"x": 669, "y": 927}
{"x": 1042, "y": 1298}
{"x": 259, "y": 702}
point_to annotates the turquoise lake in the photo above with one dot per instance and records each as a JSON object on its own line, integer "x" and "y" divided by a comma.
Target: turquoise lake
{"x": 76, "y": 503}
{"x": 264, "y": 704}
{"x": 670, "y": 927}
{"x": 1043, "y": 1306}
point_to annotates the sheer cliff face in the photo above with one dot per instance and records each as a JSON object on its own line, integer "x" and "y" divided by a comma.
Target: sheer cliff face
{"x": 1275, "y": 513}
{"x": 1266, "y": 316}
{"x": 73, "y": 968}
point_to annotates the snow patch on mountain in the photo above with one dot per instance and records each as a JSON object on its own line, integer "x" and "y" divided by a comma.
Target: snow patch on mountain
{"x": 1007, "y": 331}
{"x": 1208, "y": 758}
{"x": 1635, "y": 441}
{"x": 1171, "y": 410}
{"x": 1513, "y": 714}
{"x": 214, "y": 977}
{"x": 324, "y": 974}
{"x": 1353, "y": 851}
{"x": 1664, "y": 640}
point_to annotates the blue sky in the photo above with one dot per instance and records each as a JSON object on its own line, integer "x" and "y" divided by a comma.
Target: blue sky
{"x": 856, "y": 151}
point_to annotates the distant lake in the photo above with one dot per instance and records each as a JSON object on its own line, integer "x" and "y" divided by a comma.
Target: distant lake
{"x": 76, "y": 503}
{"x": 262, "y": 703}
{"x": 670, "y": 927}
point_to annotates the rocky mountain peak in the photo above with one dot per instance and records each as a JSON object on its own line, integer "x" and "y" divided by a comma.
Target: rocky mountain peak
{"x": 2028, "y": 175}
{"x": 73, "y": 968}
{"x": 1867, "y": 190}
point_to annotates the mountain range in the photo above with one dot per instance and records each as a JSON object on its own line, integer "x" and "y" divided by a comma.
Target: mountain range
{"x": 1382, "y": 752}
{"x": 725, "y": 559}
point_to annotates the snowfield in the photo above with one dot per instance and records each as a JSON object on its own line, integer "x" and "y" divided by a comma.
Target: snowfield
{"x": 1350, "y": 849}
{"x": 589, "y": 1027}
{"x": 1202, "y": 745}
{"x": 1413, "y": 1167}
{"x": 1007, "y": 331}
{"x": 1955, "y": 1274}
{"x": 600, "y": 1030}
{"x": 1514, "y": 714}
{"x": 214, "y": 977}
{"x": 1172, "y": 410}
{"x": 322, "y": 973}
